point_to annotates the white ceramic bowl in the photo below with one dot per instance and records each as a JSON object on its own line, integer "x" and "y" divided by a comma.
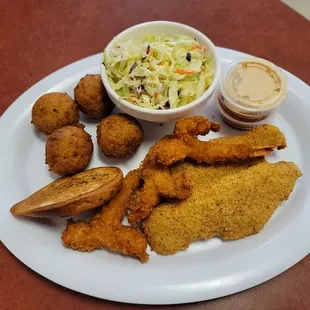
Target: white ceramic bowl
{"x": 168, "y": 28}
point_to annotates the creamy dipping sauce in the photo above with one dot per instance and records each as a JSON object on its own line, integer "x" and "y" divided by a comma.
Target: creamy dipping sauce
{"x": 249, "y": 91}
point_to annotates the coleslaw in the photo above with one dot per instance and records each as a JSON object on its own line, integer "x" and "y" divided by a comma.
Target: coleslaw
{"x": 159, "y": 72}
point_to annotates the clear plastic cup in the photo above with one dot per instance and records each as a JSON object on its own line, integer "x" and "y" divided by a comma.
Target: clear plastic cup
{"x": 249, "y": 91}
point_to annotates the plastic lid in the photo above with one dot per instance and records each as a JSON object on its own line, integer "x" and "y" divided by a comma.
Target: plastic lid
{"x": 253, "y": 84}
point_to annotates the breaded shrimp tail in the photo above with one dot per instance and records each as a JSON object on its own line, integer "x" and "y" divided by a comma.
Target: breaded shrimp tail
{"x": 105, "y": 229}
{"x": 158, "y": 183}
{"x": 194, "y": 126}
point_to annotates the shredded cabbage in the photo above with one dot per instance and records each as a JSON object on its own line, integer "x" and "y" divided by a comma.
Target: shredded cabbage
{"x": 159, "y": 72}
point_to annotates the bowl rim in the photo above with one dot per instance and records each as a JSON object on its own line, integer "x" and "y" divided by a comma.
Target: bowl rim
{"x": 191, "y": 105}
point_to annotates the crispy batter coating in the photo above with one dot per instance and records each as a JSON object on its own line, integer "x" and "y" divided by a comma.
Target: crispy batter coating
{"x": 55, "y": 110}
{"x": 236, "y": 202}
{"x": 194, "y": 126}
{"x": 220, "y": 208}
{"x": 105, "y": 229}
{"x": 255, "y": 143}
{"x": 92, "y": 98}
{"x": 68, "y": 150}
{"x": 158, "y": 183}
{"x": 182, "y": 144}
{"x": 119, "y": 135}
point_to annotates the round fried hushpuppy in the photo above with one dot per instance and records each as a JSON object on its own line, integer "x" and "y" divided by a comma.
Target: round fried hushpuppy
{"x": 68, "y": 150}
{"x": 92, "y": 97}
{"x": 55, "y": 110}
{"x": 119, "y": 135}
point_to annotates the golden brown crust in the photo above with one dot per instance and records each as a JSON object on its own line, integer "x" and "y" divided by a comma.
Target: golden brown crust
{"x": 55, "y": 110}
{"x": 158, "y": 183}
{"x": 194, "y": 126}
{"x": 258, "y": 142}
{"x": 182, "y": 144}
{"x": 119, "y": 136}
{"x": 92, "y": 98}
{"x": 237, "y": 201}
{"x": 72, "y": 195}
{"x": 68, "y": 150}
{"x": 105, "y": 230}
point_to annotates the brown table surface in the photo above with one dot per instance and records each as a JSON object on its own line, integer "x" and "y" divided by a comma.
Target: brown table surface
{"x": 39, "y": 37}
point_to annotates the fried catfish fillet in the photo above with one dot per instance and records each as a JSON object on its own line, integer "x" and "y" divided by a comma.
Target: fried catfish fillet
{"x": 105, "y": 229}
{"x": 236, "y": 202}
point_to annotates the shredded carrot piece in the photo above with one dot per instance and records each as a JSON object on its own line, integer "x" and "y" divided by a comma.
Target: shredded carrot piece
{"x": 196, "y": 47}
{"x": 160, "y": 63}
{"x": 151, "y": 68}
{"x": 155, "y": 95}
{"x": 182, "y": 71}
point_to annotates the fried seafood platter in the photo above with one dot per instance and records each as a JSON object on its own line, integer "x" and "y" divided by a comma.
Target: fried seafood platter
{"x": 193, "y": 183}
{"x": 186, "y": 189}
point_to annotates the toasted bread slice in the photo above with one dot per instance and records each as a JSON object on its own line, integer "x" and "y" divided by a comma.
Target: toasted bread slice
{"x": 72, "y": 195}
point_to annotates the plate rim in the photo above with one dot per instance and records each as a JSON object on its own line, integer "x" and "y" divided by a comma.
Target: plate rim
{"x": 52, "y": 79}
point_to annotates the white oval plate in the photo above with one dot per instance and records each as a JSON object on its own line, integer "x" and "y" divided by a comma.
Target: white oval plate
{"x": 208, "y": 269}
